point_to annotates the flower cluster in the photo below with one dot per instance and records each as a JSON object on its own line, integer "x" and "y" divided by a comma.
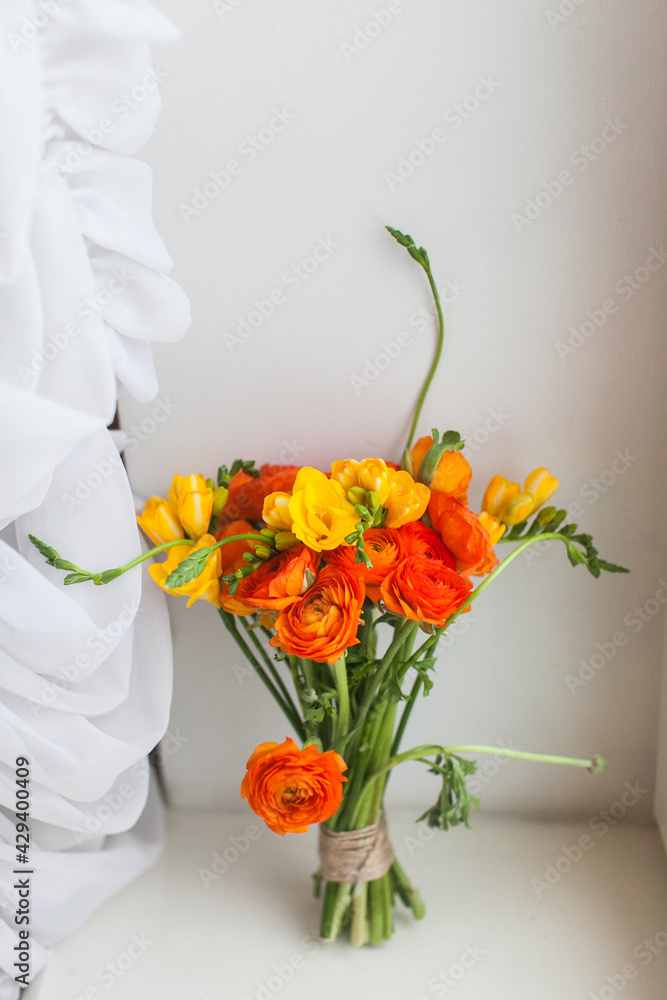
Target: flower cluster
{"x": 305, "y": 549}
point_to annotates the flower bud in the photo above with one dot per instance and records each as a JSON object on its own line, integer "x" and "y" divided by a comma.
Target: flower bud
{"x": 219, "y": 500}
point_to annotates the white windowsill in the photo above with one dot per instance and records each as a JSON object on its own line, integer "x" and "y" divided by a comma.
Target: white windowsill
{"x": 225, "y": 942}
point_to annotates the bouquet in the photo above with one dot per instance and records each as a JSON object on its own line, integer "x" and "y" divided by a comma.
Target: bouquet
{"x": 308, "y": 570}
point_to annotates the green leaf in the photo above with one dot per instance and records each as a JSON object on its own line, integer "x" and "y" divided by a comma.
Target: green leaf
{"x": 454, "y": 802}
{"x": 190, "y": 568}
{"x": 405, "y": 241}
{"x": 611, "y": 567}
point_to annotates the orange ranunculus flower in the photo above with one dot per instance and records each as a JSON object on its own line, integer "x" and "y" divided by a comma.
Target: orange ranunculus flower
{"x": 205, "y": 587}
{"x": 420, "y": 540}
{"x": 453, "y": 473}
{"x": 323, "y": 623}
{"x": 247, "y": 494}
{"x": 407, "y": 500}
{"x": 231, "y": 556}
{"x": 280, "y": 581}
{"x": 384, "y": 547}
{"x": 160, "y": 521}
{"x": 291, "y": 788}
{"x": 463, "y": 535}
{"x": 424, "y": 590}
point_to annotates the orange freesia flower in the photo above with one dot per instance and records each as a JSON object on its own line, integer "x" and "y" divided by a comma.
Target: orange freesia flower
{"x": 246, "y": 494}
{"x": 291, "y": 788}
{"x": 420, "y": 540}
{"x": 424, "y": 590}
{"x": 323, "y": 623}
{"x": 205, "y": 587}
{"x": 280, "y": 581}
{"x": 160, "y": 521}
{"x": 384, "y": 547}
{"x": 407, "y": 500}
{"x": 453, "y": 474}
{"x": 463, "y": 535}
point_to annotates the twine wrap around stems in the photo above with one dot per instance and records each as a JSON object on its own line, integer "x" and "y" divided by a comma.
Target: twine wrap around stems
{"x": 356, "y": 855}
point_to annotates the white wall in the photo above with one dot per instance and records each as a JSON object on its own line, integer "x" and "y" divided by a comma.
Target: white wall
{"x": 556, "y": 84}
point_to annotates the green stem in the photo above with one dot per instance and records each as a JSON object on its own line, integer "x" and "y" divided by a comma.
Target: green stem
{"x": 232, "y": 628}
{"x": 419, "y": 753}
{"x": 270, "y": 665}
{"x": 406, "y": 629}
{"x": 406, "y": 714}
{"x": 436, "y": 359}
{"x": 339, "y": 670}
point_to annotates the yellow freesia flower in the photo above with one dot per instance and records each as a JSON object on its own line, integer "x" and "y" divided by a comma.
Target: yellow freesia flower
{"x": 407, "y": 499}
{"x": 498, "y": 495}
{"x": 206, "y": 586}
{"x": 321, "y": 515}
{"x": 160, "y": 521}
{"x": 503, "y": 501}
{"x": 193, "y": 500}
{"x": 372, "y": 475}
{"x": 520, "y": 507}
{"x": 494, "y": 529}
{"x": 542, "y": 485}
{"x": 276, "y": 511}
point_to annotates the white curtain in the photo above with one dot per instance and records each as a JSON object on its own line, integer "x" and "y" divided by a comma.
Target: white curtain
{"x": 85, "y": 671}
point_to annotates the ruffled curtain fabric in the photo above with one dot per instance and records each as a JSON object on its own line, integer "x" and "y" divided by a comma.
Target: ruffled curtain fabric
{"x": 85, "y": 672}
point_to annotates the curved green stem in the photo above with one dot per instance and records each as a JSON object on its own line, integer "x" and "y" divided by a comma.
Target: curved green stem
{"x": 594, "y": 764}
{"x": 409, "y": 705}
{"x": 270, "y": 665}
{"x": 230, "y": 623}
{"x": 436, "y": 359}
